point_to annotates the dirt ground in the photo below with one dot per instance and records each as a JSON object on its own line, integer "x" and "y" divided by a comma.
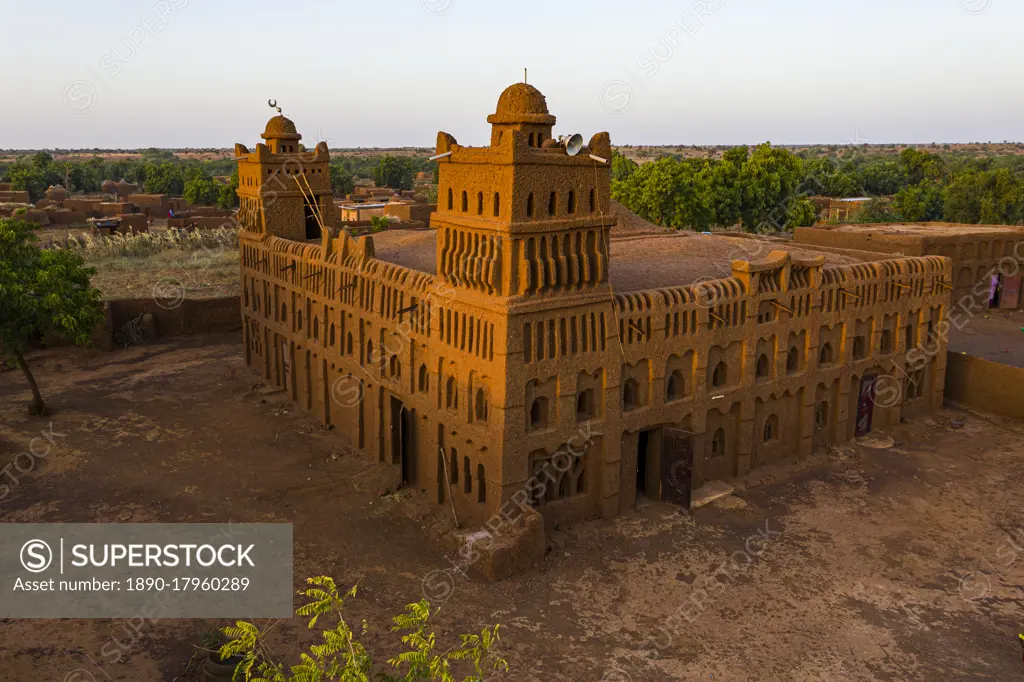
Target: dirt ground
{"x": 884, "y": 564}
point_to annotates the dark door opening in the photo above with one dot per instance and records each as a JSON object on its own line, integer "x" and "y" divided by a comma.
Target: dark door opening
{"x": 995, "y": 291}
{"x": 677, "y": 468}
{"x": 641, "y": 461}
{"x": 402, "y": 421}
{"x": 865, "y": 405}
{"x": 408, "y": 462}
{"x": 312, "y": 225}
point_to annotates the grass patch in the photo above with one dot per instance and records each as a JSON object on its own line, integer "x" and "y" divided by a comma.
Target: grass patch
{"x": 200, "y": 263}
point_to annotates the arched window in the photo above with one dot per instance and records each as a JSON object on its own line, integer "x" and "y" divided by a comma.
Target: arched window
{"x": 451, "y": 200}
{"x": 451, "y": 392}
{"x": 821, "y": 415}
{"x": 424, "y": 379}
{"x": 467, "y": 478}
{"x": 886, "y": 341}
{"x": 532, "y": 140}
{"x": 630, "y": 394}
{"x": 720, "y": 376}
{"x": 593, "y": 203}
{"x": 284, "y": 312}
{"x": 675, "y": 385}
{"x": 369, "y": 353}
{"x": 348, "y": 344}
{"x": 481, "y": 405}
{"x": 453, "y": 469}
{"x": 481, "y": 484}
{"x": 539, "y": 413}
{"x": 764, "y": 368}
{"x": 396, "y": 367}
{"x": 479, "y": 203}
{"x": 316, "y": 329}
{"x": 529, "y": 205}
{"x": 553, "y": 203}
{"x": 497, "y": 204}
{"x": 572, "y": 202}
{"x": 792, "y": 360}
{"x": 718, "y": 443}
{"x": 858, "y": 348}
{"x": 465, "y": 202}
{"x": 333, "y": 335}
{"x": 586, "y": 408}
{"x": 771, "y": 429}
{"x": 299, "y": 319}
{"x": 825, "y": 355}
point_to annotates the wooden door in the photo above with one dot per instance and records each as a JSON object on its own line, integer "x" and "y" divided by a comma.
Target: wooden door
{"x": 676, "y": 467}
{"x": 1009, "y": 299}
{"x": 865, "y": 405}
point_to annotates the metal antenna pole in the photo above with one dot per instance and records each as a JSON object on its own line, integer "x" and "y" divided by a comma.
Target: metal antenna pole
{"x": 447, "y": 483}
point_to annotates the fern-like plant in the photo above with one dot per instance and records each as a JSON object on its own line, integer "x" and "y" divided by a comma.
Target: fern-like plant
{"x": 341, "y": 658}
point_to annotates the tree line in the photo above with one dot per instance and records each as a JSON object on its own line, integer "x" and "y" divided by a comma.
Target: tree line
{"x": 768, "y": 188}
{"x": 159, "y": 171}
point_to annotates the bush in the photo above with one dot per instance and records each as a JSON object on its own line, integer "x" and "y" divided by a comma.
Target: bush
{"x": 341, "y": 657}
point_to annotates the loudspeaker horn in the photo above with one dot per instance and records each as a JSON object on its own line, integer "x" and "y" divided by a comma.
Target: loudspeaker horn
{"x": 574, "y": 145}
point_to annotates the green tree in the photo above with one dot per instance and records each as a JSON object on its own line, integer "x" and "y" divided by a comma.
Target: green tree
{"x": 994, "y": 197}
{"x": 42, "y": 290}
{"x": 920, "y": 166}
{"x": 394, "y": 172}
{"x": 342, "y": 182}
{"x": 800, "y": 213}
{"x": 42, "y": 160}
{"x": 667, "y": 193}
{"x": 921, "y": 202}
{"x": 227, "y": 195}
{"x": 622, "y": 167}
{"x": 768, "y": 179}
{"x": 883, "y": 178}
{"x": 164, "y": 178}
{"x": 201, "y": 190}
{"x": 343, "y": 657}
{"x": 875, "y": 211}
{"x": 28, "y": 178}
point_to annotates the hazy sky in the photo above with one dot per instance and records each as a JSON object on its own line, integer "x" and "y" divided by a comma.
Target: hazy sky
{"x": 172, "y": 73}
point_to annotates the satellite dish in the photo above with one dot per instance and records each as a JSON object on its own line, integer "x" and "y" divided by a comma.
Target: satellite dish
{"x": 574, "y": 145}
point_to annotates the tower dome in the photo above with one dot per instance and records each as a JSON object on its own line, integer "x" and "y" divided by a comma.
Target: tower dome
{"x": 521, "y": 103}
{"x": 281, "y": 128}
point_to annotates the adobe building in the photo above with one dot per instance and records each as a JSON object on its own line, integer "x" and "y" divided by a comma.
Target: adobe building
{"x": 13, "y": 196}
{"x": 407, "y": 211}
{"x": 832, "y": 209}
{"x": 986, "y": 258}
{"x": 152, "y": 205}
{"x": 521, "y": 352}
{"x": 355, "y": 213}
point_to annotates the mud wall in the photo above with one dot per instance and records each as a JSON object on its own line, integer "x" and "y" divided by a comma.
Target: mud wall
{"x": 985, "y": 385}
{"x": 189, "y": 316}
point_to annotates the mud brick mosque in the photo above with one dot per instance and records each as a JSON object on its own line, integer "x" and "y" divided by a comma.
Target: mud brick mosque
{"x": 470, "y": 355}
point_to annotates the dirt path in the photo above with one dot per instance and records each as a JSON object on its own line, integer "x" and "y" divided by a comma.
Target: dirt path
{"x": 892, "y": 564}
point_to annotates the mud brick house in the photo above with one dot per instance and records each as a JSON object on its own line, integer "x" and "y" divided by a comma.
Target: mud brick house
{"x": 521, "y": 341}
{"x": 986, "y": 258}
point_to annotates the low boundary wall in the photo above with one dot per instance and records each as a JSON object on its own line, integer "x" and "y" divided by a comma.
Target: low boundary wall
{"x": 985, "y": 385}
{"x": 179, "y": 318}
